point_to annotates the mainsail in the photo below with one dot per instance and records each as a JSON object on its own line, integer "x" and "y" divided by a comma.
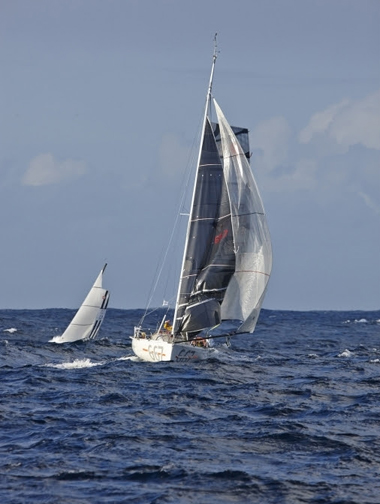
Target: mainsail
{"x": 209, "y": 258}
{"x": 88, "y": 319}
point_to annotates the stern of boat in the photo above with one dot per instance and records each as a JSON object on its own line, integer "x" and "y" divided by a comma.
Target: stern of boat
{"x": 157, "y": 348}
{"x": 151, "y": 350}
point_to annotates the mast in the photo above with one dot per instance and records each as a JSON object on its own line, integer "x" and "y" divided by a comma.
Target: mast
{"x": 207, "y": 105}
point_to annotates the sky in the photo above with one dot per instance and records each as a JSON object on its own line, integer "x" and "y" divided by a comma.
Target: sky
{"x": 101, "y": 102}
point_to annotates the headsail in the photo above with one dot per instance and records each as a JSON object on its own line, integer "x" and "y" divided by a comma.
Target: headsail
{"x": 252, "y": 245}
{"x": 88, "y": 319}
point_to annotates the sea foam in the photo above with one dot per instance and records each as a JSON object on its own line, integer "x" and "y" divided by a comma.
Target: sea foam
{"x": 76, "y": 364}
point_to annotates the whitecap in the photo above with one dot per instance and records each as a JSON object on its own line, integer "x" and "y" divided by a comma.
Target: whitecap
{"x": 374, "y": 361}
{"x": 77, "y": 364}
{"x": 345, "y": 353}
{"x": 312, "y": 355}
{"x": 361, "y": 321}
{"x": 10, "y": 330}
{"x": 129, "y": 357}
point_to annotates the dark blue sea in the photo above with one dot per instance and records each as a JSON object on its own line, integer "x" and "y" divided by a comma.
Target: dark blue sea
{"x": 290, "y": 414}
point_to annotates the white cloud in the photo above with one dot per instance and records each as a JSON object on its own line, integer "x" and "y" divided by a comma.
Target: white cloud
{"x": 347, "y": 123}
{"x": 45, "y": 170}
{"x": 269, "y": 142}
{"x": 303, "y": 177}
{"x": 321, "y": 122}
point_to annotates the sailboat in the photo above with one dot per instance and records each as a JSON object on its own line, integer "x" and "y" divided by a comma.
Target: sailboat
{"x": 87, "y": 321}
{"x": 227, "y": 258}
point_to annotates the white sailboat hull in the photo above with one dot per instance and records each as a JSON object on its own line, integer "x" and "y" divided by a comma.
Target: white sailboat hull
{"x": 157, "y": 350}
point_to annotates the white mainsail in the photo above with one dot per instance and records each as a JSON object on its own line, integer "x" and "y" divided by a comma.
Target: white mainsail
{"x": 88, "y": 319}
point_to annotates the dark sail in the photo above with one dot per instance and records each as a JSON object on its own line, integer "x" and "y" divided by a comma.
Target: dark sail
{"x": 209, "y": 260}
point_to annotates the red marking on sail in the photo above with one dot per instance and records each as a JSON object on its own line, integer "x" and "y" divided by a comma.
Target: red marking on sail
{"x": 220, "y": 236}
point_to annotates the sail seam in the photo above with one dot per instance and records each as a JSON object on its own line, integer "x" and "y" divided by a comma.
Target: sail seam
{"x": 219, "y": 218}
{"x": 250, "y": 213}
{"x": 253, "y": 271}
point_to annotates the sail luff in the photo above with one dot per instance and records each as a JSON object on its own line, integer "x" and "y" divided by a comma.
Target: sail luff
{"x": 205, "y": 115}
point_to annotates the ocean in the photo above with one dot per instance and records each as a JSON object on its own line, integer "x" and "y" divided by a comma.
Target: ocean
{"x": 290, "y": 414}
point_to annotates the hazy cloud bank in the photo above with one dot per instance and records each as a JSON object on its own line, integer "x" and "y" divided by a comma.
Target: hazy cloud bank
{"x": 45, "y": 170}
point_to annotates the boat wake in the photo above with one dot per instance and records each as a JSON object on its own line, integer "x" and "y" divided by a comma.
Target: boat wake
{"x": 133, "y": 358}
{"x": 56, "y": 339}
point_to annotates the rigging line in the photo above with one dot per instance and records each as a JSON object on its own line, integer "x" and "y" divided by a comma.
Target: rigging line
{"x": 174, "y": 228}
{"x": 159, "y": 270}
{"x": 181, "y": 204}
{"x": 150, "y": 296}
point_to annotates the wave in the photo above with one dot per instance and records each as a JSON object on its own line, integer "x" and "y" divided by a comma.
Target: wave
{"x": 76, "y": 364}
{"x": 362, "y": 321}
{"x": 345, "y": 353}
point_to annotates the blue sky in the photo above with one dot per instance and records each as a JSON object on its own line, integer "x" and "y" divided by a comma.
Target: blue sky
{"x": 101, "y": 103}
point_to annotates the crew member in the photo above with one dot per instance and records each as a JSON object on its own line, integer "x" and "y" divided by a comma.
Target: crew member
{"x": 168, "y": 326}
